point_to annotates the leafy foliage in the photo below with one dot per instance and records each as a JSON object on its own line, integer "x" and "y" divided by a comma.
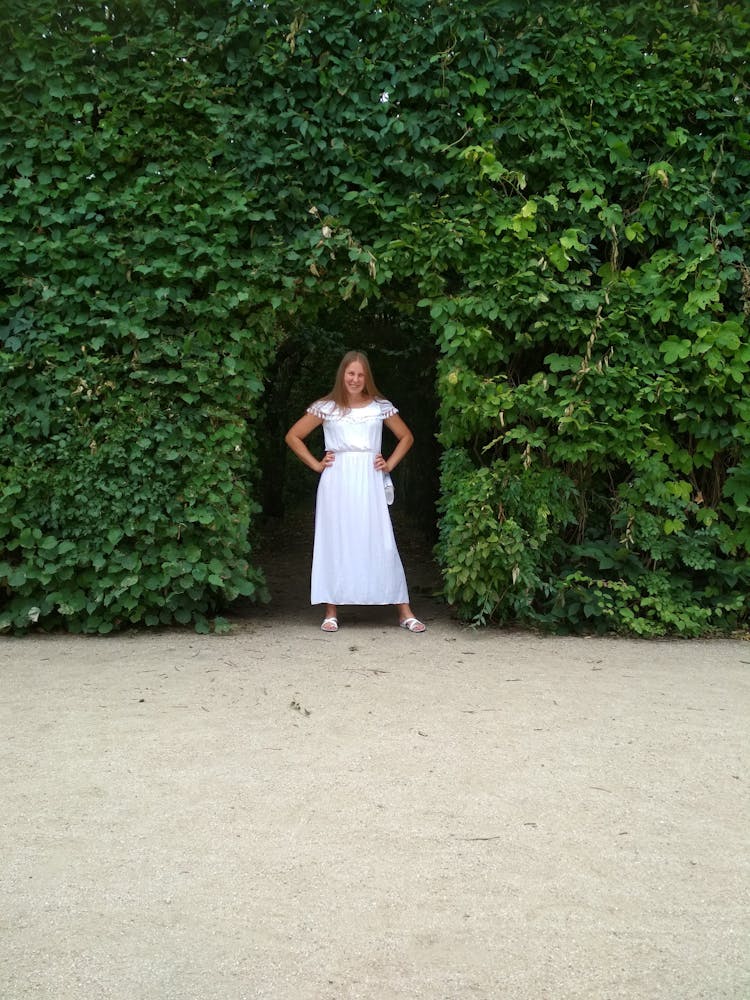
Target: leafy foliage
{"x": 561, "y": 193}
{"x": 612, "y": 358}
{"x": 132, "y": 341}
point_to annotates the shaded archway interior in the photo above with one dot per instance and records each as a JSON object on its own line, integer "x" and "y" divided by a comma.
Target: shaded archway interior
{"x": 403, "y": 356}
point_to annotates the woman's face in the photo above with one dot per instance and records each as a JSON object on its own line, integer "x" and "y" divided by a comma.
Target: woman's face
{"x": 354, "y": 379}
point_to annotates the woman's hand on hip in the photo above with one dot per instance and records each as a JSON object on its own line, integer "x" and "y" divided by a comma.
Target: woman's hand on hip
{"x": 328, "y": 459}
{"x": 380, "y": 463}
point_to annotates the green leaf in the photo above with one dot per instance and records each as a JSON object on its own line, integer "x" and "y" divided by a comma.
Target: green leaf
{"x": 674, "y": 349}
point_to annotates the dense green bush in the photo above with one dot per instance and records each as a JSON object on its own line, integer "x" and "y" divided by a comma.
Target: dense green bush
{"x": 561, "y": 192}
{"x": 132, "y": 340}
{"x": 594, "y": 372}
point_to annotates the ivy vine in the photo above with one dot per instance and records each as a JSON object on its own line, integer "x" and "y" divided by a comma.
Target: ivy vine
{"x": 560, "y": 190}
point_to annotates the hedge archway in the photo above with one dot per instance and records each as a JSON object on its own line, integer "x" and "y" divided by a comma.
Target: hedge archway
{"x": 561, "y": 193}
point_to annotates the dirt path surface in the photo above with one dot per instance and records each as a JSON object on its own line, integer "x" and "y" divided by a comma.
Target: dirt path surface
{"x": 287, "y": 815}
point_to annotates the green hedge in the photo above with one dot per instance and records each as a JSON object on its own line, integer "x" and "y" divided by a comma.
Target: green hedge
{"x": 562, "y": 193}
{"x": 594, "y": 398}
{"x": 132, "y": 340}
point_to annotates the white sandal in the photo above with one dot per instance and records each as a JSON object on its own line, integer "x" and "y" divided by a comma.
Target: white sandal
{"x": 412, "y": 625}
{"x": 330, "y": 625}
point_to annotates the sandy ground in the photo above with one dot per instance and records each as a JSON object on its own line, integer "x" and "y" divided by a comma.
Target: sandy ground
{"x": 288, "y": 815}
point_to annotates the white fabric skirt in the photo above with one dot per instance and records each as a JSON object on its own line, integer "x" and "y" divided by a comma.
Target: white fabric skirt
{"x": 355, "y": 559}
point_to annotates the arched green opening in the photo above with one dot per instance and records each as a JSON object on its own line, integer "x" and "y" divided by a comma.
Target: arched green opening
{"x": 401, "y": 347}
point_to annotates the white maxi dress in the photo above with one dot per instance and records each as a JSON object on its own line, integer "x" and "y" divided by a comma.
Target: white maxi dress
{"x": 355, "y": 559}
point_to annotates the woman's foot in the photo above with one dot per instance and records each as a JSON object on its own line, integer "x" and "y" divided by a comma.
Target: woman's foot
{"x": 412, "y": 625}
{"x": 330, "y": 625}
{"x": 407, "y": 620}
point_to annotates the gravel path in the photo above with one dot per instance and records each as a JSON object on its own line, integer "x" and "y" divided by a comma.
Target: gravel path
{"x": 286, "y": 815}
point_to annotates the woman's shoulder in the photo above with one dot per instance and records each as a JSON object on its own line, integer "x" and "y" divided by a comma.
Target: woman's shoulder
{"x": 387, "y": 409}
{"x": 324, "y": 409}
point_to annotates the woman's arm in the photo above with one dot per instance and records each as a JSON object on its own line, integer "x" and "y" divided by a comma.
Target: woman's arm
{"x": 295, "y": 438}
{"x": 405, "y": 440}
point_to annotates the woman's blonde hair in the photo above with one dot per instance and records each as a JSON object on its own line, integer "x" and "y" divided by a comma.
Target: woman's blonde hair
{"x": 338, "y": 393}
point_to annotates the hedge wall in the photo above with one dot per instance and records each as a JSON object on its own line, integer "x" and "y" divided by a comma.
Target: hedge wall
{"x": 562, "y": 190}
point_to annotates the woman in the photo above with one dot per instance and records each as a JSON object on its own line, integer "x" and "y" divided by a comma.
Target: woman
{"x": 355, "y": 559}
